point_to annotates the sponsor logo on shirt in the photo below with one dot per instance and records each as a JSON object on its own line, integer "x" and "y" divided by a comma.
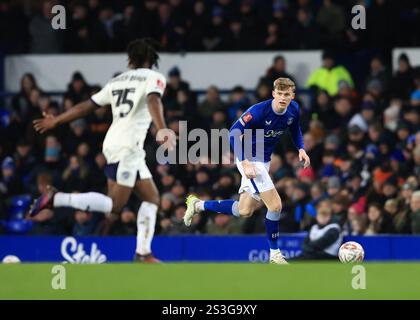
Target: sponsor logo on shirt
{"x": 273, "y": 133}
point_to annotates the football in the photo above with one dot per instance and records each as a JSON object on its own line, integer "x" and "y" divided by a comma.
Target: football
{"x": 351, "y": 252}
{"x": 11, "y": 259}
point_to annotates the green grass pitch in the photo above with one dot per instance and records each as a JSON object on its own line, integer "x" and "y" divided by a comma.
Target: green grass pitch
{"x": 213, "y": 281}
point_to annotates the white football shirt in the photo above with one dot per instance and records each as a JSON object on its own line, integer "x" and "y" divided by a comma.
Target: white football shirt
{"x": 127, "y": 95}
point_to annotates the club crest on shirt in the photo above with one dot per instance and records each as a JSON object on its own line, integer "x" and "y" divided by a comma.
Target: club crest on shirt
{"x": 247, "y": 117}
{"x": 125, "y": 175}
{"x": 289, "y": 121}
{"x": 160, "y": 84}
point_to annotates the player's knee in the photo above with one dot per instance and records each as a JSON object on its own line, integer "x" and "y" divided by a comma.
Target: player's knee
{"x": 275, "y": 207}
{"x": 155, "y": 200}
{"x": 245, "y": 212}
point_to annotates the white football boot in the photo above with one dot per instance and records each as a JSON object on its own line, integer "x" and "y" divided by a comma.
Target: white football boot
{"x": 276, "y": 257}
{"x": 191, "y": 203}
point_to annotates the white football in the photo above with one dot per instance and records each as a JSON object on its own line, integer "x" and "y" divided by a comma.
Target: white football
{"x": 351, "y": 252}
{"x": 11, "y": 259}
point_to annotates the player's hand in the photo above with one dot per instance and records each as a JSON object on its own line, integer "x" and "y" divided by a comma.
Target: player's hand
{"x": 47, "y": 123}
{"x": 249, "y": 169}
{"x": 304, "y": 157}
{"x": 167, "y": 138}
{"x": 171, "y": 142}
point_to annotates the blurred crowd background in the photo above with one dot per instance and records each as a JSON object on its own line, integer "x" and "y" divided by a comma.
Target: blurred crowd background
{"x": 206, "y": 25}
{"x": 361, "y": 129}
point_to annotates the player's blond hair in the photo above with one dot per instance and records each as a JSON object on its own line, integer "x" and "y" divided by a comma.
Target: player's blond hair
{"x": 284, "y": 84}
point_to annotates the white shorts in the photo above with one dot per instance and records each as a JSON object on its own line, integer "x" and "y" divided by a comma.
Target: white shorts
{"x": 261, "y": 183}
{"x": 130, "y": 168}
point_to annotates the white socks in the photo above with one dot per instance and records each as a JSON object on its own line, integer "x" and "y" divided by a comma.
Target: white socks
{"x": 146, "y": 220}
{"x": 274, "y": 251}
{"x": 89, "y": 201}
{"x": 199, "y": 206}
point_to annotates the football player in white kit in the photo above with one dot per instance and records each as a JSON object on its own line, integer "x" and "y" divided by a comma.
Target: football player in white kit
{"x": 135, "y": 99}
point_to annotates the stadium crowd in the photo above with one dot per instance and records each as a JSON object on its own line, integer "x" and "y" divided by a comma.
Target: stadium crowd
{"x": 364, "y": 149}
{"x": 206, "y": 25}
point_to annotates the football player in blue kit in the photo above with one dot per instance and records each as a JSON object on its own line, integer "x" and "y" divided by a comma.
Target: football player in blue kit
{"x": 253, "y": 138}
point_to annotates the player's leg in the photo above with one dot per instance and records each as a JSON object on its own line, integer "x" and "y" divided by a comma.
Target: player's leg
{"x": 229, "y": 207}
{"x": 121, "y": 179}
{"x": 245, "y": 207}
{"x": 119, "y": 195}
{"x": 88, "y": 201}
{"x": 147, "y": 191}
{"x": 272, "y": 201}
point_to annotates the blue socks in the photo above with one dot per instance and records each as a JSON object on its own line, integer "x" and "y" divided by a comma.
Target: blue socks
{"x": 229, "y": 207}
{"x": 272, "y": 228}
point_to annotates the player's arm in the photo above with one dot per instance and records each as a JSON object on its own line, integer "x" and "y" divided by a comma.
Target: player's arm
{"x": 154, "y": 103}
{"x": 155, "y": 106}
{"x": 236, "y": 133}
{"x": 78, "y": 111}
{"x": 297, "y": 138}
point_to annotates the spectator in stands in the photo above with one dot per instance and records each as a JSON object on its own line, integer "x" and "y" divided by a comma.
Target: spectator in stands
{"x": 51, "y": 164}
{"x": 415, "y": 212}
{"x": 10, "y": 184}
{"x": 44, "y": 38}
{"x": 126, "y": 29}
{"x": 210, "y": 104}
{"x": 238, "y": 103}
{"x": 358, "y": 225}
{"x": 175, "y": 225}
{"x": 198, "y": 23}
{"x": 379, "y": 221}
{"x": 43, "y": 224}
{"x": 378, "y": 74}
{"x": 324, "y": 238}
{"x": 75, "y": 175}
{"x": 415, "y": 94}
{"x": 400, "y": 216}
{"x": 331, "y": 21}
{"x": 78, "y": 90}
{"x": 340, "y": 204}
{"x": 416, "y": 158}
{"x": 237, "y": 39}
{"x": 328, "y": 76}
{"x": 278, "y": 69}
{"x": 402, "y": 81}
{"x": 21, "y": 104}
{"x": 175, "y": 84}
{"x": 126, "y": 225}
{"x": 79, "y": 37}
{"x": 263, "y": 91}
{"x": 96, "y": 177}
{"x": 305, "y": 34}
{"x": 24, "y": 158}
{"x": 304, "y": 211}
{"x": 86, "y": 223}
{"x": 222, "y": 224}
{"x": 213, "y": 39}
